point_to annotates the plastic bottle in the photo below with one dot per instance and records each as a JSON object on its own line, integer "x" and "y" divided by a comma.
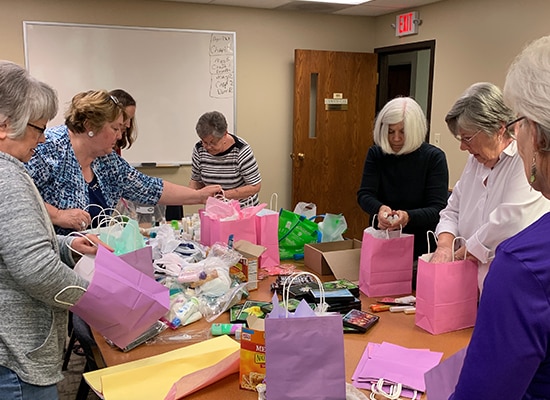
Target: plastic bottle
{"x": 185, "y": 311}
{"x": 225, "y": 329}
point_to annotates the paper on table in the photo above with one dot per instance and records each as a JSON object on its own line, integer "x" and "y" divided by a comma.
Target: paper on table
{"x": 396, "y": 364}
{"x": 154, "y": 377}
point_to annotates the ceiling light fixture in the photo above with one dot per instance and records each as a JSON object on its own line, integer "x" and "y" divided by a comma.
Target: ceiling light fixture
{"x": 350, "y": 2}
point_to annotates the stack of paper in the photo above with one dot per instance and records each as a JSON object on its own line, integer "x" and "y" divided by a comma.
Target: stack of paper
{"x": 395, "y": 365}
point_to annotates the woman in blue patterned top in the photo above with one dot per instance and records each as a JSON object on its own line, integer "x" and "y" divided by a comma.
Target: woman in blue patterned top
{"x": 225, "y": 159}
{"x": 77, "y": 167}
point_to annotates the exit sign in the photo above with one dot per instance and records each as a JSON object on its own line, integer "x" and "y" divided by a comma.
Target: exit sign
{"x": 407, "y": 24}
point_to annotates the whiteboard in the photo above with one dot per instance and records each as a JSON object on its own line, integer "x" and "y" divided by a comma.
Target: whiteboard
{"x": 175, "y": 75}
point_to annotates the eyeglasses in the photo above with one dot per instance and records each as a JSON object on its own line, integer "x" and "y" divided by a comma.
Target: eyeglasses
{"x": 211, "y": 143}
{"x": 466, "y": 140}
{"x": 39, "y": 129}
{"x": 510, "y": 124}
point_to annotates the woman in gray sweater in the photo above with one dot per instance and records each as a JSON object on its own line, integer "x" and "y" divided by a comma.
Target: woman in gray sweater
{"x": 33, "y": 325}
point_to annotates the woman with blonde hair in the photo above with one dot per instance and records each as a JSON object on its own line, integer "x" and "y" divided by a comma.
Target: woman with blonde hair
{"x": 77, "y": 166}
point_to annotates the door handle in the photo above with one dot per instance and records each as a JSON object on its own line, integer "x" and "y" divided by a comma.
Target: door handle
{"x": 301, "y": 156}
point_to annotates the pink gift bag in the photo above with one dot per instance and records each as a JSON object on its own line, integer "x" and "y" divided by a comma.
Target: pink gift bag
{"x": 267, "y": 231}
{"x": 220, "y": 219}
{"x": 446, "y": 295}
{"x": 386, "y": 263}
{"x": 121, "y": 302}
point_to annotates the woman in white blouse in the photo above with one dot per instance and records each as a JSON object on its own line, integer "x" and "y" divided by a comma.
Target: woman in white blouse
{"x": 492, "y": 200}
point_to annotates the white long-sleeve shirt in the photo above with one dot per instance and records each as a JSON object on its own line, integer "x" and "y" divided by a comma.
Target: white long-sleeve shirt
{"x": 489, "y": 205}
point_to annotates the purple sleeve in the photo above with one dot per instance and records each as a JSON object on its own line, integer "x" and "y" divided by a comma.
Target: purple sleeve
{"x": 510, "y": 338}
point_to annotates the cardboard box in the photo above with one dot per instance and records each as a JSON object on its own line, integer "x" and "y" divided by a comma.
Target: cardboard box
{"x": 252, "y": 363}
{"x": 247, "y": 267}
{"x": 340, "y": 258}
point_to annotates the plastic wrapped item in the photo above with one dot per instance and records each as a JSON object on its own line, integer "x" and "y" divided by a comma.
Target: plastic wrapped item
{"x": 147, "y": 214}
{"x": 150, "y": 333}
{"x": 185, "y": 311}
{"x": 332, "y": 227}
{"x": 182, "y": 335}
{"x": 212, "y": 307}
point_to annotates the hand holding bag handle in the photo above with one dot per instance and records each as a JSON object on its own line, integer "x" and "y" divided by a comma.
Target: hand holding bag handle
{"x": 452, "y": 246}
{"x": 446, "y": 293}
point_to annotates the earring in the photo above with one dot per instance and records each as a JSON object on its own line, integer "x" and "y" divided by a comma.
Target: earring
{"x": 91, "y": 134}
{"x": 533, "y": 176}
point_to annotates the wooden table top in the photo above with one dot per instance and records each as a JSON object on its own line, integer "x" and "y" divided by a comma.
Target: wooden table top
{"x": 396, "y": 328}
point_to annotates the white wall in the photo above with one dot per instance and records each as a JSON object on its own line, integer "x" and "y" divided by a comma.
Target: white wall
{"x": 475, "y": 41}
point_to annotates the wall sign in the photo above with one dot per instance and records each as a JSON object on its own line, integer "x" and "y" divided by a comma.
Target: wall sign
{"x": 407, "y": 24}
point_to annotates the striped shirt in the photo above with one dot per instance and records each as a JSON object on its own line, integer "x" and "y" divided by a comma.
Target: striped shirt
{"x": 231, "y": 169}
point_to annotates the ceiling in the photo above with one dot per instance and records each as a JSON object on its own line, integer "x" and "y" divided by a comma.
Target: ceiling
{"x": 372, "y": 8}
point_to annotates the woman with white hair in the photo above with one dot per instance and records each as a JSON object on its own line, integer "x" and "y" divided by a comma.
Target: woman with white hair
{"x": 33, "y": 260}
{"x": 405, "y": 180}
{"x": 492, "y": 201}
{"x": 509, "y": 354}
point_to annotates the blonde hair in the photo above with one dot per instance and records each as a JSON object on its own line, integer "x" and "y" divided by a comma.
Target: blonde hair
{"x": 95, "y": 108}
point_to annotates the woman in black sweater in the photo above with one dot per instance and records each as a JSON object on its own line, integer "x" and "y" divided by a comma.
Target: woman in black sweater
{"x": 405, "y": 180}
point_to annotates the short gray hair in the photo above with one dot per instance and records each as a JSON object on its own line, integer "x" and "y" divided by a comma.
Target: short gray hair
{"x": 23, "y": 99}
{"x": 527, "y": 87}
{"x": 480, "y": 108}
{"x": 401, "y": 109}
{"x": 211, "y": 123}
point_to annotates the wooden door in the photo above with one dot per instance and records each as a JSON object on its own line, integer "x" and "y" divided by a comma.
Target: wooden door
{"x": 331, "y": 138}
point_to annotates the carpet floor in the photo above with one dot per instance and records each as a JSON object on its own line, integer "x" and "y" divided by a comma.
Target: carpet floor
{"x": 68, "y": 387}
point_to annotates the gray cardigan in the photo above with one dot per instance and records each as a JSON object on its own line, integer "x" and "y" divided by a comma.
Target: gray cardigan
{"x": 33, "y": 326}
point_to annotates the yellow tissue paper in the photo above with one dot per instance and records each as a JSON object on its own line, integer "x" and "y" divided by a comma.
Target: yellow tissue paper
{"x": 171, "y": 375}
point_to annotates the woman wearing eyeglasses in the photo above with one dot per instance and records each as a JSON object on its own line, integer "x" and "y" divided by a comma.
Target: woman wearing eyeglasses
{"x": 77, "y": 166}
{"x": 226, "y": 159}
{"x": 33, "y": 259}
{"x": 509, "y": 354}
{"x": 491, "y": 201}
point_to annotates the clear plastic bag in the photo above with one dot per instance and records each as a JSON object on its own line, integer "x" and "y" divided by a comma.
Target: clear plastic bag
{"x": 212, "y": 307}
{"x": 143, "y": 213}
{"x": 332, "y": 227}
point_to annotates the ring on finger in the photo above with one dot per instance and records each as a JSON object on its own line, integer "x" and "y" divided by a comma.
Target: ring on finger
{"x": 83, "y": 224}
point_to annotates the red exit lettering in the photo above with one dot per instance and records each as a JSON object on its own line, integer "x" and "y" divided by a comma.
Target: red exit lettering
{"x": 405, "y": 23}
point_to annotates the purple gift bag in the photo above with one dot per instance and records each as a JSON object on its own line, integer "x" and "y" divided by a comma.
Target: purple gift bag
{"x": 121, "y": 302}
{"x": 304, "y": 355}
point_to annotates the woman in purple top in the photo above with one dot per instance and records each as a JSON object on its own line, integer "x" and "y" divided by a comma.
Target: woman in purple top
{"x": 509, "y": 354}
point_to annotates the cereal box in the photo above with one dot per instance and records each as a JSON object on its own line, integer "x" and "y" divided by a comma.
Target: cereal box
{"x": 252, "y": 367}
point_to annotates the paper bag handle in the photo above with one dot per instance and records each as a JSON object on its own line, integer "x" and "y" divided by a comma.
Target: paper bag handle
{"x": 102, "y": 214}
{"x": 386, "y": 230}
{"x": 274, "y": 196}
{"x": 286, "y": 291}
{"x": 453, "y": 245}
{"x": 55, "y": 298}
{"x": 74, "y": 233}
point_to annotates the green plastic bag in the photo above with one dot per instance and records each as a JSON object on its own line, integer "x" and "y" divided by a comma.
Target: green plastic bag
{"x": 295, "y": 231}
{"x": 124, "y": 237}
